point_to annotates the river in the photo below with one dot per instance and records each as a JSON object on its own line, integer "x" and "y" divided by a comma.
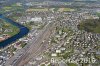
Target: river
{"x": 23, "y": 31}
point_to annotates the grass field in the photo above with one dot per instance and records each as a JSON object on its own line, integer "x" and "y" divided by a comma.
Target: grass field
{"x": 50, "y": 9}
{"x": 98, "y": 14}
{"x": 7, "y": 7}
{"x": 37, "y": 9}
{"x": 72, "y": 64}
{"x": 5, "y": 25}
{"x": 65, "y": 9}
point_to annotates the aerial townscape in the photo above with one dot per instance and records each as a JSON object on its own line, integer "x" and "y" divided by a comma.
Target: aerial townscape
{"x": 49, "y": 32}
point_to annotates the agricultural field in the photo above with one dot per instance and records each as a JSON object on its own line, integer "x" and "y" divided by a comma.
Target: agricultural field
{"x": 98, "y": 14}
{"x": 10, "y": 8}
{"x": 65, "y": 9}
{"x": 37, "y": 9}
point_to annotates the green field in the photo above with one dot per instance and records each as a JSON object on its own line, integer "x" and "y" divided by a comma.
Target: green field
{"x": 98, "y": 14}
{"x": 13, "y": 7}
{"x": 72, "y": 64}
{"x": 37, "y": 9}
{"x": 69, "y": 9}
{"x": 4, "y": 25}
{"x": 65, "y": 9}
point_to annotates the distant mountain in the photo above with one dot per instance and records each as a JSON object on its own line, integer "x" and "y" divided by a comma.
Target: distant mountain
{"x": 14, "y": 1}
{"x": 74, "y": 0}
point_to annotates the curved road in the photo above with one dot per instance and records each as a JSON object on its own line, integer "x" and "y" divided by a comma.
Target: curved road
{"x": 23, "y": 31}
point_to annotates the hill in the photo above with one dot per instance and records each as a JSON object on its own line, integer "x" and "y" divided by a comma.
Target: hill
{"x": 90, "y": 25}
